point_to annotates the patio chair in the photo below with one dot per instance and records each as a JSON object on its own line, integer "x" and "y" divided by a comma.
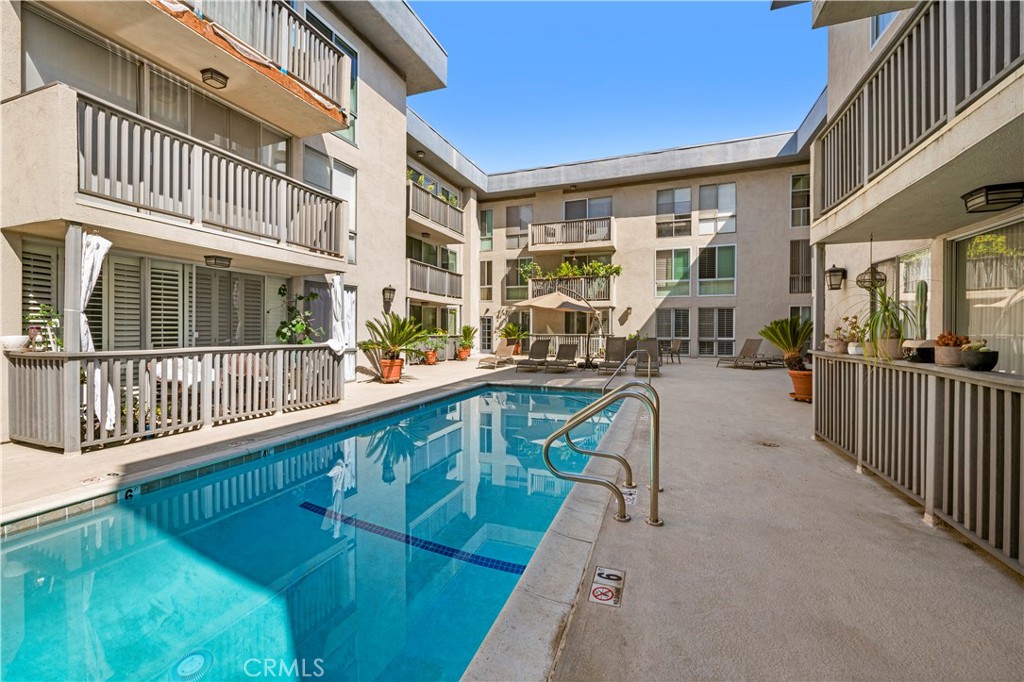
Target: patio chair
{"x": 749, "y": 356}
{"x": 675, "y": 350}
{"x": 614, "y": 354}
{"x": 538, "y": 356}
{"x": 502, "y": 356}
{"x": 564, "y": 358}
{"x": 651, "y": 358}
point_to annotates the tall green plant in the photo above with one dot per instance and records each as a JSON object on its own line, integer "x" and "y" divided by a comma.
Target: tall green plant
{"x": 393, "y": 336}
{"x": 297, "y": 327}
{"x": 468, "y": 337}
{"x": 512, "y": 332}
{"x": 888, "y": 319}
{"x": 789, "y": 335}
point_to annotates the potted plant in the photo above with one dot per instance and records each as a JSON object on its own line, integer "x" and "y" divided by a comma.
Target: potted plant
{"x": 466, "y": 341}
{"x": 885, "y": 326}
{"x": 431, "y": 347}
{"x": 389, "y": 338}
{"x": 514, "y": 334}
{"x": 947, "y": 349}
{"x": 297, "y": 327}
{"x": 790, "y": 335}
{"x": 845, "y": 335}
{"x": 977, "y": 356}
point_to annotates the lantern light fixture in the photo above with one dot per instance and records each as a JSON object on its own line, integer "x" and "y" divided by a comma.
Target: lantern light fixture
{"x": 222, "y": 262}
{"x": 214, "y": 78}
{"x": 834, "y": 277}
{"x": 994, "y": 197}
{"x": 389, "y": 297}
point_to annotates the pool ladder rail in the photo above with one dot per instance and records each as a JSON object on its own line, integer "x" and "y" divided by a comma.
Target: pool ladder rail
{"x": 650, "y": 398}
{"x": 622, "y": 366}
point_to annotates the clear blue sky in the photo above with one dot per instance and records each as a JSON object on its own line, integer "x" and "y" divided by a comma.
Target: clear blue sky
{"x": 539, "y": 83}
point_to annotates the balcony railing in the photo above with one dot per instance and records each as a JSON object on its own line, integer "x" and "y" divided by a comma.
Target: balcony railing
{"x": 280, "y": 33}
{"x": 911, "y": 92}
{"x": 428, "y": 279}
{"x": 571, "y": 231}
{"x": 435, "y": 209}
{"x": 950, "y": 439}
{"x": 596, "y": 342}
{"x": 127, "y": 159}
{"x": 126, "y": 395}
{"x": 587, "y": 288}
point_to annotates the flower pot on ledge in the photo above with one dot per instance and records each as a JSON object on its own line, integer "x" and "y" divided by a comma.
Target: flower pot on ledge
{"x": 391, "y": 371}
{"x": 430, "y": 357}
{"x": 948, "y": 356}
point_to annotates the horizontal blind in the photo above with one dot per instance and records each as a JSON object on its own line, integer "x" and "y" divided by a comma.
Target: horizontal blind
{"x": 166, "y": 285}
{"x": 125, "y": 276}
{"x": 38, "y": 279}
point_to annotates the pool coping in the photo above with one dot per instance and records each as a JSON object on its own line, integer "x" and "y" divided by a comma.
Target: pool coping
{"x": 525, "y": 640}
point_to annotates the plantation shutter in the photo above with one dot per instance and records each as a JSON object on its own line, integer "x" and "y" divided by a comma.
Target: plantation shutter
{"x": 125, "y": 277}
{"x": 213, "y": 308}
{"x": 166, "y": 290}
{"x": 682, "y": 323}
{"x": 707, "y": 263}
{"x": 725, "y": 330}
{"x": 706, "y": 323}
{"x": 94, "y": 311}
{"x": 663, "y": 323}
{"x": 252, "y": 310}
{"x": 38, "y": 279}
{"x": 663, "y": 266}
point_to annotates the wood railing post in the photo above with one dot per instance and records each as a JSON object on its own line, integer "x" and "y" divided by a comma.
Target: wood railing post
{"x": 207, "y": 389}
{"x": 934, "y": 443}
{"x": 198, "y": 188}
{"x": 282, "y": 212}
{"x": 860, "y": 437}
{"x": 279, "y": 380}
{"x": 72, "y": 338}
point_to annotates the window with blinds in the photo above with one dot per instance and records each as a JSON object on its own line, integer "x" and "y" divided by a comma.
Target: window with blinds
{"x": 228, "y": 308}
{"x": 716, "y": 271}
{"x": 94, "y": 312}
{"x": 124, "y": 274}
{"x": 166, "y": 305}
{"x": 486, "y": 280}
{"x": 671, "y": 324}
{"x": 38, "y": 280}
{"x": 515, "y": 285}
{"x": 800, "y": 201}
{"x": 716, "y": 331}
{"x": 800, "y": 266}
{"x": 717, "y": 208}
{"x": 672, "y": 272}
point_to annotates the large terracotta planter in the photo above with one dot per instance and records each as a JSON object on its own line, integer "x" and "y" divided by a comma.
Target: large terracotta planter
{"x": 948, "y": 356}
{"x": 801, "y": 384}
{"x": 391, "y": 371}
{"x": 886, "y": 349}
{"x": 517, "y": 349}
{"x": 464, "y": 353}
{"x": 430, "y": 357}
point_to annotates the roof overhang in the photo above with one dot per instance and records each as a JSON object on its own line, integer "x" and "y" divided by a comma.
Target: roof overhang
{"x": 832, "y": 12}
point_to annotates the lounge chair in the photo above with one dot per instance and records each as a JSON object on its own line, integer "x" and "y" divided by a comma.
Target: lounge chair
{"x": 749, "y": 356}
{"x": 537, "y": 358}
{"x": 651, "y": 358}
{"x": 564, "y": 358}
{"x": 502, "y": 356}
{"x": 614, "y": 354}
{"x": 675, "y": 350}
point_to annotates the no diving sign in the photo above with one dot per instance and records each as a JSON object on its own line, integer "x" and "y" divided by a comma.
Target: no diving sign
{"x": 607, "y": 586}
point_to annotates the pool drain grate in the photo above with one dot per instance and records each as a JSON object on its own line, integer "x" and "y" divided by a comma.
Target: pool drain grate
{"x": 767, "y": 443}
{"x": 191, "y": 667}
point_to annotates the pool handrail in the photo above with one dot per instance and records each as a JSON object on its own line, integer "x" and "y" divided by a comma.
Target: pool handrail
{"x": 622, "y": 365}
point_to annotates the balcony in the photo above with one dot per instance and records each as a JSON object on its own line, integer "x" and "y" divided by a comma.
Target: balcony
{"x": 590, "y": 234}
{"x": 435, "y": 215}
{"x": 128, "y": 395}
{"x": 278, "y": 66}
{"x": 143, "y": 169}
{"x": 591, "y": 289}
{"x": 948, "y": 80}
{"x": 435, "y": 282}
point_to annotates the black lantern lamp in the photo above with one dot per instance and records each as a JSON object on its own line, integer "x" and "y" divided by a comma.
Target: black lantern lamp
{"x": 994, "y": 197}
{"x": 389, "y": 297}
{"x": 834, "y": 277}
{"x": 214, "y": 79}
{"x": 871, "y": 279}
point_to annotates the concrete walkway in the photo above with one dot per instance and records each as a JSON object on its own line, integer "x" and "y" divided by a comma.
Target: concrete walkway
{"x": 778, "y": 561}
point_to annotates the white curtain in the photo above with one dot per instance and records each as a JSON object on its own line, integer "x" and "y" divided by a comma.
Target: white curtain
{"x": 349, "y": 318}
{"x": 336, "y": 337}
{"x": 94, "y": 250}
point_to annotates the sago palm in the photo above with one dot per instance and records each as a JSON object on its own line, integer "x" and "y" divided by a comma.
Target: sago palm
{"x": 789, "y": 335}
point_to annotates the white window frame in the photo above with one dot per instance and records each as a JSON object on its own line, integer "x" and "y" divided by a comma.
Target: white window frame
{"x": 488, "y": 266}
{"x": 801, "y": 279}
{"x": 674, "y": 282}
{"x": 519, "y": 263}
{"x": 792, "y": 192}
{"x": 879, "y": 24}
{"x": 735, "y": 266}
{"x": 611, "y": 202}
{"x": 717, "y": 339}
{"x": 721, "y": 219}
{"x": 684, "y": 348}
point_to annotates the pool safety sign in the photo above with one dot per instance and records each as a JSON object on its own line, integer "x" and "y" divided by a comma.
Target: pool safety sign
{"x": 607, "y": 586}
{"x": 629, "y": 494}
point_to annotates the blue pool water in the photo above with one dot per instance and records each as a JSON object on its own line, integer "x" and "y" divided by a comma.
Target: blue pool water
{"x": 384, "y": 552}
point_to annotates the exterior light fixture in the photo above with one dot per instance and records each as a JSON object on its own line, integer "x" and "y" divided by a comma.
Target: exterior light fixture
{"x": 871, "y": 279}
{"x": 424, "y": 234}
{"x": 572, "y": 188}
{"x": 420, "y": 153}
{"x": 994, "y": 197}
{"x": 389, "y": 297}
{"x": 214, "y": 78}
{"x": 834, "y": 277}
{"x": 222, "y": 262}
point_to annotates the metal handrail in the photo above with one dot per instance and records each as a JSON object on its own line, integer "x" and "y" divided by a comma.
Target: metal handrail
{"x": 622, "y": 366}
{"x": 585, "y": 414}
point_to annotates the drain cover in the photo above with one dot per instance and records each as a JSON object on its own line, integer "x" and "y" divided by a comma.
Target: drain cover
{"x": 768, "y": 443}
{"x": 192, "y": 666}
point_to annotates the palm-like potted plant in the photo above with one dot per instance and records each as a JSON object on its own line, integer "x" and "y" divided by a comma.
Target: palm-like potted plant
{"x": 514, "y": 334}
{"x": 434, "y": 344}
{"x": 389, "y": 338}
{"x": 790, "y": 335}
{"x": 466, "y": 341}
{"x": 887, "y": 326}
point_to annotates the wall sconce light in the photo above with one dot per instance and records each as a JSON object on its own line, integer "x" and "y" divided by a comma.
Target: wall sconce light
{"x": 389, "y": 297}
{"x": 572, "y": 188}
{"x": 629, "y": 310}
{"x": 994, "y": 197}
{"x": 425, "y": 235}
{"x": 420, "y": 153}
{"x": 834, "y": 277}
{"x": 222, "y": 262}
{"x": 214, "y": 78}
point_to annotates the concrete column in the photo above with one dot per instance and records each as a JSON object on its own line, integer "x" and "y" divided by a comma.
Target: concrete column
{"x": 818, "y": 295}
{"x": 933, "y": 450}
{"x": 471, "y": 263}
{"x": 10, "y": 315}
{"x": 71, "y": 321}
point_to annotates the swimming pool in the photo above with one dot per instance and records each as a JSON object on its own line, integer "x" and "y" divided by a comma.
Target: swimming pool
{"x": 383, "y": 552}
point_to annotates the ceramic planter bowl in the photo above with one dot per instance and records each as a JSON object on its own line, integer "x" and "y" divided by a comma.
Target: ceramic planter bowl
{"x": 855, "y": 348}
{"x": 980, "y": 361}
{"x": 14, "y": 342}
{"x": 835, "y": 346}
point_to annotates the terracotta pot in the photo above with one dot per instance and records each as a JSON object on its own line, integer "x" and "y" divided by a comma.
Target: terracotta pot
{"x": 464, "y": 353}
{"x": 835, "y": 346}
{"x": 801, "y": 384}
{"x": 391, "y": 371}
{"x": 948, "y": 356}
{"x": 980, "y": 361}
{"x": 886, "y": 349}
{"x": 430, "y": 357}
{"x": 517, "y": 349}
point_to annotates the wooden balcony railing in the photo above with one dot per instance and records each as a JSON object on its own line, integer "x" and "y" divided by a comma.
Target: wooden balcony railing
{"x": 126, "y": 395}
{"x": 280, "y": 33}
{"x": 435, "y": 209}
{"x": 571, "y": 231}
{"x": 428, "y": 279}
{"x": 948, "y": 438}
{"x": 128, "y": 159}
{"x": 596, "y": 342}
{"x": 950, "y": 53}
{"x": 587, "y": 288}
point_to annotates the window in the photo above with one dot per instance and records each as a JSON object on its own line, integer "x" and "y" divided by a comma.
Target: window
{"x": 486, "y": 334}
{"x": 345, "y": 188}
{"x": 801, "y": 311}
{"x": 522, "y": 320}
{"x": 449, "y": 259}
{"x": 422, "y": 251}
{"x": 581, "y": 209}
{"x": 800, "y": 266}
{"x": 717, "y": 208}
{"x": 166, "y": 305}
{"x": 486, "y": 426}
{"x": 879, "y": 23}
{"x": 671, "y": 324}
{"x": 716, "y": 271}
{"x": 583, "y": 323}
{"x": 348, "y": 134}
{"x": 486, "y": 280}
{"x": 316, "y": 169}
{"x": 673, "y": 211}
{"x": 516, "y": 287}
{"x": 517, "y": 226}
{"x": 486, "y": 230}
{"x": 229, "y": 308}
{"x": 672, "y": 272}
{"x": 716, "y": 331}
{"x": 800, "y": 201}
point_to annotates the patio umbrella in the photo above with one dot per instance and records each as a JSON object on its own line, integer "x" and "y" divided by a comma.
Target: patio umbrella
{"x": 556, "y": 300}
{"x": 94, "y": 250}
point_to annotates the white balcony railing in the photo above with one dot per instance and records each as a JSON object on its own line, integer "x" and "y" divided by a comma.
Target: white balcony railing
{"x": 434, "y": 208}
{"x": 587, "y": 288}
{"x": 127, "y": 159}
{"x": 280, "y": 33}
{"x": 596, "y": 342}
{"x": 950, "y": 53}
{"x": 428, "y": 279}
{"x": 571, "y": 232}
